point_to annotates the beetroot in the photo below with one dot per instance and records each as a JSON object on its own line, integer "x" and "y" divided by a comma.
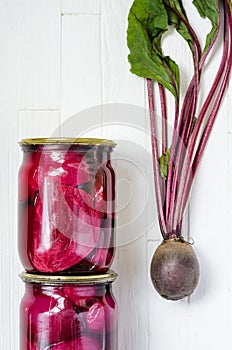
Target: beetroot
{"x": 95, "y": 317}
{"x": 101, "y": 315}
{"x": 96, "y": 307}
{"x": 74, "y": 169}
{"x": 64, "y": 232}
{"x": 83, "y": 343}
{"x": 111, "y": 311}
{"x": 99, "y": 256}
{"x": 192, "y": 115}
{"x": 51, "y": 318}
{"x": 80, "y": 295}
{"x": 174, "y": 269}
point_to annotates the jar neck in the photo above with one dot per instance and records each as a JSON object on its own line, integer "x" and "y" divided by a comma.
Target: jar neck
{"x": 98, "y": 290}
{"x": 66, "y": 148}
{"x": 44, "y": 154}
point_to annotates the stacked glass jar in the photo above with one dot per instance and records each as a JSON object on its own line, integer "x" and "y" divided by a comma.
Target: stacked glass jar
{"x": 66, "y": 244}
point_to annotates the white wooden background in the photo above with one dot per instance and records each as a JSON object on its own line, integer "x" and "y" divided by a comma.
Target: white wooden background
{"x": 58, "y": 58}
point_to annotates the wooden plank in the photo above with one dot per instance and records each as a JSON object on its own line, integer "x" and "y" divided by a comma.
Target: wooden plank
{"x": 11, "y": 289}
{"x": 124, "y": 120}
{"x": 29, "y": 70}
{"x": 39, "y": 123}
{"x": 117, "y": 79}
{"x": 30, "y": 83}
{"x": 227, "y": 111}
{"x": 81, "y": 71}
{"x": 80, "y": 6}
{"x": 131, "y": 293}
{"x": 209, "y": 226}
{"x": 39, "y": 47}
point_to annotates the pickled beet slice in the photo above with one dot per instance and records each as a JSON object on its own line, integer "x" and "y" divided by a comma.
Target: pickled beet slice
{"x": 82, "y": 343}
{"x": 96, "y": 318}
{"x": 101, "y": 315}
{"x": 92, "y": 197}
{"x": 102, "y": 250}
{"x": 75, "y": 171}
{"x": 69, "y": 167}
{"x": 98, "y": 258}
{"x": 102, "y": 255}
{"x": 65, "y": 231}
{"x": 111, "y": 313}
{"x": 80, "y": 295}
{"x": 98, "y": 312}
{"x": 52, "y": 319}
{"x": 23, "y": 236}
{"x": 28, "y": 180}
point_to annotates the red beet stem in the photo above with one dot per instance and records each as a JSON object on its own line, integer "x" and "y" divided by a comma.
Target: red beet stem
{"x": 164, "y": 118}
{"x": 171, "y": 162}
{"x": 183, "y": 139}
{"x": 209, "y": 126}
{"x": 155, "y": 157}
{"x": 187, "y": 118}
{"x": 190, "y": 104}
{"x": 164, "y": 133}
{"x": 191, "y": 163}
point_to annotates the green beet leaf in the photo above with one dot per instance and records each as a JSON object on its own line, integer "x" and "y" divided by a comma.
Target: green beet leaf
{"x": 176, "y": 17}
{"x": 164, "y": 163}
{"x": 209, "y": 9}
{"x": 148, "y": 21}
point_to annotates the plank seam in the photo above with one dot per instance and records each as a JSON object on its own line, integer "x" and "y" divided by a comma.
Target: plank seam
{"x": 80, "y": 13}
{"x": 39, "y": 110}
{"x": 61, "y": 67}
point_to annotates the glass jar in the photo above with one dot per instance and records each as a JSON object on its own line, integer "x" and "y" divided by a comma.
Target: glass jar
{"x": 68, "y": 313}
{"x": 66, "y": 206}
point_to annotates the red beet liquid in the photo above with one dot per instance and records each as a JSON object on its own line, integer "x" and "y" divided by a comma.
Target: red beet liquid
{"x": 66, "y": 209}
{"x": 68, "y": 317}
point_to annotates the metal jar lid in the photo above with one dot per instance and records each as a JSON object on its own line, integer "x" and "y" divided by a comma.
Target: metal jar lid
{"x": 90, "y": 279}
{"x": 67, "y": 141}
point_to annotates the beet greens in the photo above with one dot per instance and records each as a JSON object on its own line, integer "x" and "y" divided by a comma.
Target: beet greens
{"x": 175, "y": 166}
{"x": 148, "y": 21}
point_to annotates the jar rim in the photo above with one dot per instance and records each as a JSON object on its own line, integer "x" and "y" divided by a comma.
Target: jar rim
{"x": 67, "y": 141}
{"x": 108, "y": 277}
